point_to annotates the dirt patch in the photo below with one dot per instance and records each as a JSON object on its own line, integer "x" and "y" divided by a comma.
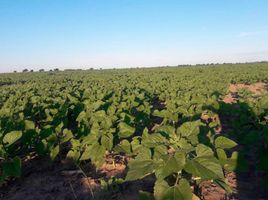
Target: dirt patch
{"x": 210, "y": 191}
{"x": 256, "y": 89}
{"x": 46, "y": 180}
{"x": 115, "y": 165}
{"x": 43, "y": 179}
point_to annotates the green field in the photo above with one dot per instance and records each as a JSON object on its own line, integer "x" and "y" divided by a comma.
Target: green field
{"x": 169, "y": 126}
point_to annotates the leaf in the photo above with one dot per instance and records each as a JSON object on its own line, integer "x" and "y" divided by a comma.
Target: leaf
{"x": 12, "y": 137}
{"x": 67, "y": 135}
{"x": 81, "y": 116}
{"x": 59, "y": 128}
{"x": 123, "y": 147}
{"x": 86, "y": 154}
{"x": 189, "y": 129}
{"x": 94, "y": 152}
{"x": 205, "y": 167}
{"x": 182, "y": 191}
{"x": 54, "y": 152}
{"x": 229, "y": 164}
{"x": 72, "y": 99}
{"x": 170, "y": 164}
{"x": 221, "y": 154}
{"x": 223, "y": 185}
{"x": 159, "y": 151}
{"x": 135, "y": 144}
{"x": 162, "y": 113}
{"x": 99, "y": 115}
{"x": 139, "y": 169}
{"x": 125, "y": 130}
{"x": 29, "y": 124}
{"x": 224, "y": 143}
{"x": 89, "y": 139}
{"x": 12, "y": 168}
{"x": 73, "y": 155}
{"x": 160, "y": 188}
{"x": 168, "y": 130}
{"x": 107, "y": 141}
{"x": 203, "y": 150}
{"x": 45, "y": 133}
{"x": 153, "y": 140}
{"x": 184, "y": 144}
{"x": 144, "y": 153}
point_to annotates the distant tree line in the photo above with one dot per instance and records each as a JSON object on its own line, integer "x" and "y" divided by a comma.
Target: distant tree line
{"x": 55, "y": 70}
{"x": 180, "y": 65}
{"x": 40, "y": 70}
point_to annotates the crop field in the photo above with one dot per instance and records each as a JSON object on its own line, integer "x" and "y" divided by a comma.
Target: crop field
{"x": 167, "y": 133}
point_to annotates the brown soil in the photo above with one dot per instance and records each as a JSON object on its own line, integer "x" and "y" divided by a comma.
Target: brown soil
{"x": 45, "y": 180}
{"x": 210, "y": 191}
{"x": 256, "y": 89}
{"x": 42, "y": 179}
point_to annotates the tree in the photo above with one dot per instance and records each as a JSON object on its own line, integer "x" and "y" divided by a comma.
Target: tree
{"x": 25, "y": 70}
{"x": 41, "y": 70}
{"x": 15, "y": 71}
{"x": 32, "y": 70}
{"x": 56, "y": 69}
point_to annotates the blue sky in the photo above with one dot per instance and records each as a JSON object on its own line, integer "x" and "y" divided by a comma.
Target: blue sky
{"x": 46, "y": 34}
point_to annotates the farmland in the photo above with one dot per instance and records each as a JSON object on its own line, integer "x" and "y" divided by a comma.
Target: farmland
{"x": 153, "y": 133}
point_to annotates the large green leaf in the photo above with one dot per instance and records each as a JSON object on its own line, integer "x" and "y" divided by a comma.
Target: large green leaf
{"x": 229, "y": 164}
{"x": 167, "y": 129}
{"x": 135, "y": 144}
{"x": 12, "y": 137}
{"x": 203, "y": 150}
{"x": 205, "y": 167}
{"x": 123, "y": 147}
{"x": 54, "y": 152}
{"x": 107, "y": 141}
{"x": 160, "y": 188}
{"x": 81, "y": 116}
{"x": 96, "y": 153}
{"x": 170, "y": 164}
{"x": 73, "y": 155}
{"x": 67, "y": 135}
{"x": 29, "y": 124}
{"x": 139, "y": 169}
{"x": 159, "y": 151}
{"x": 182, "y": 191}
{"x": 189, "y": 129}
{"x": 154, "y": 140}
{"x": 224, "y": 143}
{"x": 125, "y": 130}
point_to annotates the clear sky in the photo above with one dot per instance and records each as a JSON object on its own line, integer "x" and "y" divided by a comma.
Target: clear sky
{"x": 46, "y": 34}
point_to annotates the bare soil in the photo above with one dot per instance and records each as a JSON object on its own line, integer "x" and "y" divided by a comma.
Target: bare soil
{"x": 256, "y": 89}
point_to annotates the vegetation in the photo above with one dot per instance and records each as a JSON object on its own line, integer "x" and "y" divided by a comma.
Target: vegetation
{"x": 166, "y": 121}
